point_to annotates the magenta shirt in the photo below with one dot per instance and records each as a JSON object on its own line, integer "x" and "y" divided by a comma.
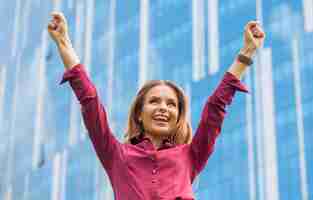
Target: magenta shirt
{"x": 138, "y": 171}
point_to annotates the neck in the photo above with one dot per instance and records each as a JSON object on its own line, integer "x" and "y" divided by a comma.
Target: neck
{"x": 156, "y": 141}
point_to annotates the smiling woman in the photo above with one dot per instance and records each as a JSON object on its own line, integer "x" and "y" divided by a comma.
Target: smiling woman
{"x": 160, "y": 159}
{"x": 160, "y": 112}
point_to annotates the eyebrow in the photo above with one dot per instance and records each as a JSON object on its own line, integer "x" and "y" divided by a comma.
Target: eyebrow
{"x": 156, "y": 97}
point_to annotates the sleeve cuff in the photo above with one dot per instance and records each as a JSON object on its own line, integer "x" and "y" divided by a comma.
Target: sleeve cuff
{"x": 235, "y": 82}
{"x": 70, "y": 73}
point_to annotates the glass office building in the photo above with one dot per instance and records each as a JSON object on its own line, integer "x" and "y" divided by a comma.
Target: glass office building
{"x": 265, "y": 150}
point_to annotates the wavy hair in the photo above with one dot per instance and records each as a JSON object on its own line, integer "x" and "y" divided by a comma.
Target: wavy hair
{"x": 182, "y": 133}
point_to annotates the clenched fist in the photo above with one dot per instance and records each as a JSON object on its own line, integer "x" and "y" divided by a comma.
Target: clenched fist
{"x": 58, "y": 28}
{"x": 253, "y": 37}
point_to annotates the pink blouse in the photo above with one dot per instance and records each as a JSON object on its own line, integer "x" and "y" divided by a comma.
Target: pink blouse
{"x": 138, "y": 171}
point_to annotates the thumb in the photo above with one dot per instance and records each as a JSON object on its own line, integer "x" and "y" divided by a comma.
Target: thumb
{"x": 250, "y": 37}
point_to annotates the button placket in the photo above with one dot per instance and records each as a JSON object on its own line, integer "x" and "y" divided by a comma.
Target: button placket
{"x": 153, "y": 158}
{"x": 154, "y": 169}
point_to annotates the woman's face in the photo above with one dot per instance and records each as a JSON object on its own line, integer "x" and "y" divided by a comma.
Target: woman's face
{"x": 159, "y": 113}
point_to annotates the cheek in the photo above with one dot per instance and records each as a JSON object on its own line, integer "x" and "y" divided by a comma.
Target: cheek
{"x": 175, "y": 114}
{"x": 147, "y": 109}
{"x": 146, "y": 112}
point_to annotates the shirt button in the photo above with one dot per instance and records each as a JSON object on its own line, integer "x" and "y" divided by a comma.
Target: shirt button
{"x": 154, "y": 171}
{"x": 153, "y": 181}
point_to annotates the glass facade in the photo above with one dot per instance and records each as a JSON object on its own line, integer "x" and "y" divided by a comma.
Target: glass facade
{"x": 265, "y": 150}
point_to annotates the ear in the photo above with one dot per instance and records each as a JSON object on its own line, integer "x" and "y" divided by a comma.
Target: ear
{"x": 140, "y": 118}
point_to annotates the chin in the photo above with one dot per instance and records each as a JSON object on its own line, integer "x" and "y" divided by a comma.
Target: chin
{"x": 162, "y": 131}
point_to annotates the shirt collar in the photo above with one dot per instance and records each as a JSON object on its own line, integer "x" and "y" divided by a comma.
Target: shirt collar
{"x": 143, "y": 142}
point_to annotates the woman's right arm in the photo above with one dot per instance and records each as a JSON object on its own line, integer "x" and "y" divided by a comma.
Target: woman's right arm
{"x": 58, "y": 31}
{"x": 106, "y": 145}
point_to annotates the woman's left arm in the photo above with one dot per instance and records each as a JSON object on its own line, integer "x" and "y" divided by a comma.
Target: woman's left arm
{"x": 215, "y": 108}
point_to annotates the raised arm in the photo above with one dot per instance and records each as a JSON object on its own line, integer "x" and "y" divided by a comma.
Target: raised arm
{"x": 215, "y": 108}
{"x": 253, "y": 39}
{"x": 94, "y": 114}
{"x": 58, "y": 30}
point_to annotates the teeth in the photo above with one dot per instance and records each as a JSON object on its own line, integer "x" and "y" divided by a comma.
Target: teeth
{"x": 161, "y": 118}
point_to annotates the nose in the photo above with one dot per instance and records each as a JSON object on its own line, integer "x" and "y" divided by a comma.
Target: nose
{"x": 163, "y": 107}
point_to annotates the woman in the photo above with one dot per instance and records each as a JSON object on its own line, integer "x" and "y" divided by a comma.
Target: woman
{"x": 159, "y": 159}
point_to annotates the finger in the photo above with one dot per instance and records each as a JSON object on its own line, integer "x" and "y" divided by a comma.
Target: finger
{"x": 58, "y": 16}
{"x": 52, "y": 26}
{"x": 258, "y": 32}
{"x": 252, "y": 24}
{"x": 251, "y": 36}
{"x": 257, "y": 27}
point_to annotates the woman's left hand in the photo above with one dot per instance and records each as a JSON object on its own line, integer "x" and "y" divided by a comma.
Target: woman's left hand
{"x": 253, "y": 38}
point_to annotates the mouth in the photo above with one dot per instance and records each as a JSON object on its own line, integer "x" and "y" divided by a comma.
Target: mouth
{"x": 161, "y": 118}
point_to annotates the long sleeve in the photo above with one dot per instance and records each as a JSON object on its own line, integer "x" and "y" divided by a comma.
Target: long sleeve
{"x": 105, "y": 144}
{"x": 212, "y": 118}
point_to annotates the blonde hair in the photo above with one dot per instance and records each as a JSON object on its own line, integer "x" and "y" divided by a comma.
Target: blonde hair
{"x": 183, "y": 132}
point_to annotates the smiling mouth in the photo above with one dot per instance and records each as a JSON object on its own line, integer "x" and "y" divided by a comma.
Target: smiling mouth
{"x": 161, "y": 118}
{"x": 160, "y": 123}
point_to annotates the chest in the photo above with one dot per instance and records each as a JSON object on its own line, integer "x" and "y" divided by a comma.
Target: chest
{"x": 172, "y": 162}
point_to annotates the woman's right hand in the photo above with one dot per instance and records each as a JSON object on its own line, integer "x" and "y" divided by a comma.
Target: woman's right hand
{"x": 58, "y": 31}
{"x": 58, "y": 28}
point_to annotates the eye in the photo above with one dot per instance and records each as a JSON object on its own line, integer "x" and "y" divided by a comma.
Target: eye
{"x": 172, "y": 104}
{"x": 153, "y": 101}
